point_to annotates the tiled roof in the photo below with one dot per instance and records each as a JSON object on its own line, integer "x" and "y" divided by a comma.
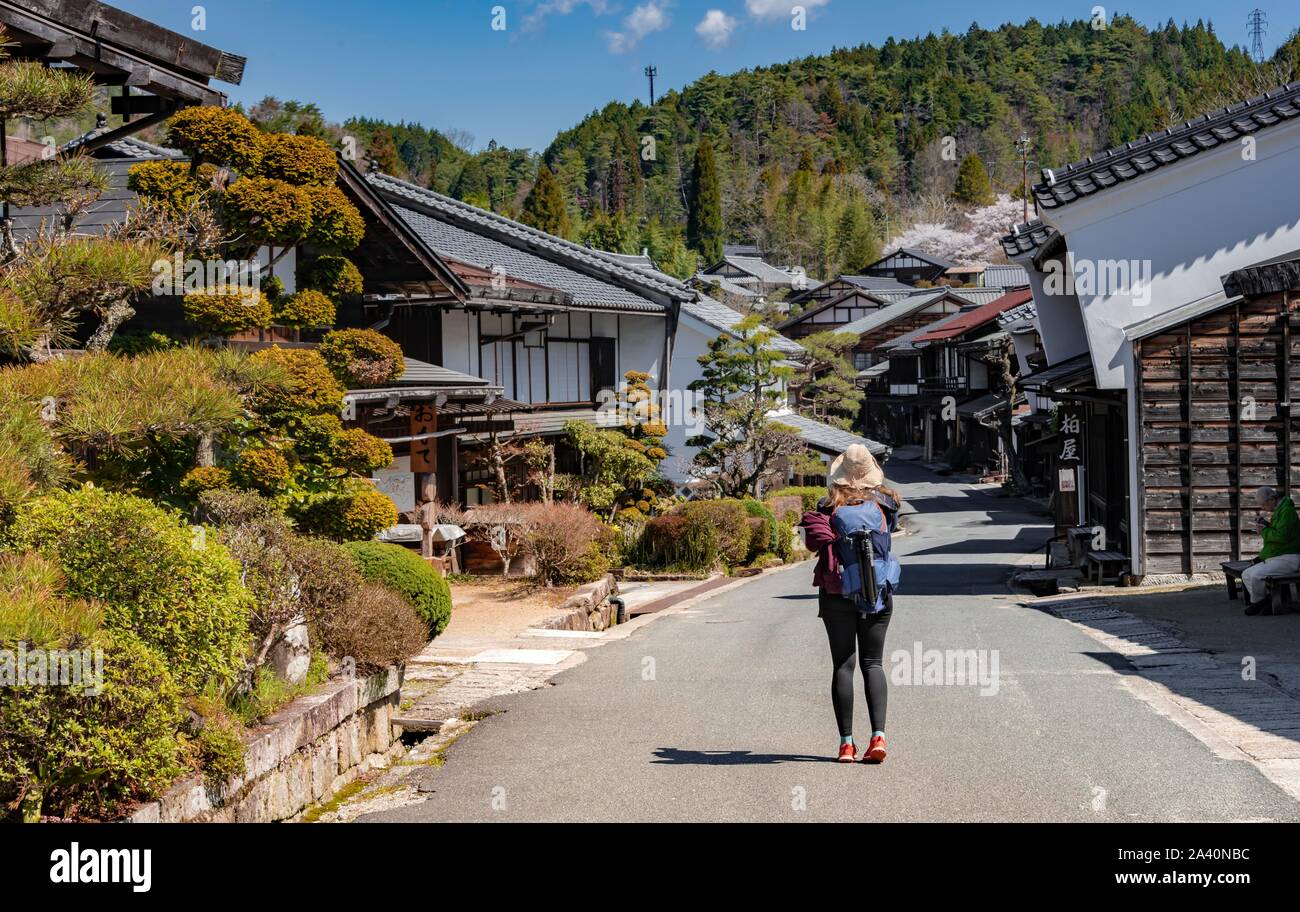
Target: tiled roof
{"x": 907, "y": 342}
{"x": 1027, "y": 238}
{"x": 875, "y": 283}
{"x": 1157, "y": 150}
{"x": 976, "y": 318}
{"x": 886, "y": 315}
{"x": 824, "y": 437}
{"x": 1019, "y": 319}
{"x": 761, "y": 270}
{"x": 1069, "y": 373}
{"x": 730, "y": 287}
{"x": 126, "y": 147}
{"x": 720, "y": 316}
{"x": 426, "y": 374}
{"x": 1005, "y": 276}
{"x": 636, "y": 260}
{"x": 483, "y": 238}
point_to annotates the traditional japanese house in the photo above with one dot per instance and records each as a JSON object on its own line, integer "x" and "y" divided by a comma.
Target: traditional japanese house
{"x": 831, "y": 314}
{"x": 819, "y": 294}
{"x": 909, "y": 267}
{"x": 759, "y": 275}
{"x": 561, "y": 341}
{"x": 1121, "y": 247}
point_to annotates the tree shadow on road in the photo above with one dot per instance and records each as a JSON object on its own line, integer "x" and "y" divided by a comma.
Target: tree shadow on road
{"x": 678, "y": 756}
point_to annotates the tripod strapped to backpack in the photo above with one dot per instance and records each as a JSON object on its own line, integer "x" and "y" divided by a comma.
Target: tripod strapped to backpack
{"x": 866, "y": 555}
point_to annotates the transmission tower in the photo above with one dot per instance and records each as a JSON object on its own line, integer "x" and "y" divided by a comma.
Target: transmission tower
{"x": 1257, "y": 24}
{"x": 651, "y": 73}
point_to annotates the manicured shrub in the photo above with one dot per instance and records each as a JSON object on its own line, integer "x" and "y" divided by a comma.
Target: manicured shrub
{"x": 730, "y": 522}
{"x": 761, "y": 539}
{"x": 170, "y": 182}
{"x": 221, "y": 136}
{"x": 205, "y": 478}
{"x": 377, "y": 627}
{"x": 810, "y": 496}
{"x": 564, "y": 541}
{"x": 362, "y": 357}
{"x": 406, "y": 572}
{"x": 336, "y": 276}
{"x": 228, "y": 310}
{"x": 311, "y": 388}
{"x": 336, "y": 224}
{"x": 677, "y": 541}
{"x": 298, "y": 159}
{"x": 219, "y": 739}
{"x": 263, "y": 469}
{"x": 306, "y": 308}
{"x": 357, "y": 513}
{"x": 268, "y": 211}
{"x": 273, "y": 288}
{"x": 65, "y": 752}
{"x": 178, "y": 590}
{"x": 360, "y": 452}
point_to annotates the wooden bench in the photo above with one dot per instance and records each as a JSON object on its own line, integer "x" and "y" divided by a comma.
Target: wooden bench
{"x": 1281, "y": 590}
{"x": 1101, "y": 561}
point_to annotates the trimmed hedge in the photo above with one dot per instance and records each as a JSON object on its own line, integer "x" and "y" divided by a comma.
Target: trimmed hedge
{"x": 406, "y": 572}
{"x": 811, "y": 496}
{"x": 177, "y": 589}
{"x": 730, "y": 522}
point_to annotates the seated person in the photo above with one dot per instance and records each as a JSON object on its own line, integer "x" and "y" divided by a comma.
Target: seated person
{"x": 1280, "y": 555}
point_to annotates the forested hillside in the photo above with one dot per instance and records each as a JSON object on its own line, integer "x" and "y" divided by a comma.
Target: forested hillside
{"x": 822, "y": 160}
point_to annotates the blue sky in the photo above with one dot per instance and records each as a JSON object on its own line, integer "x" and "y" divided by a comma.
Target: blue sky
{"x": 441, "y": 63}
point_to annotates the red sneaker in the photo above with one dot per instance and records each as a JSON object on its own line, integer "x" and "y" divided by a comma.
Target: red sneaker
{"x": 876, "y": 752}
{"x": 848, "y": 753}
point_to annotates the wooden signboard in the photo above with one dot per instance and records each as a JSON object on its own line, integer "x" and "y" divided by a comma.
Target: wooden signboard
{"x": 424, "y": 453}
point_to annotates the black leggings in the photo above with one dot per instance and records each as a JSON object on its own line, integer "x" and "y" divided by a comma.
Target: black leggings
{"x": 849, "y": 633}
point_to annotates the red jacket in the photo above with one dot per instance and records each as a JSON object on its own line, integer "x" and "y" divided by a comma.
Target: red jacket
{"x": 820, "y": 538}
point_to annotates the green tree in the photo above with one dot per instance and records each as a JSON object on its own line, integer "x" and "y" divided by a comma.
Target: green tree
{"x": 743, "y": 451}
{"x": 384, "y": 151}
{"x": 831, "y": 394}
{"x": 704, "y": 230}
{"x": 544, "y": 207}
{"x": 972, "y": 186}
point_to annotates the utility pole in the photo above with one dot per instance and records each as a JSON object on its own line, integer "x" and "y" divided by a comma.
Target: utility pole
{"x": 1257, "y": 24}
{"x": 651, "y": 72}
{"x": 1022, "y": 146}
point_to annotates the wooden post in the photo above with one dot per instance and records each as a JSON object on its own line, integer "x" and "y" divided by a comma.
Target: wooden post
{"x": 1191, "y": 478}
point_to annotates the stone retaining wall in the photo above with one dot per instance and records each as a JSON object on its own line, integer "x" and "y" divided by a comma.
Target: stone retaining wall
{"x": 298, "y": 757}
{"x": 587, "y": 609}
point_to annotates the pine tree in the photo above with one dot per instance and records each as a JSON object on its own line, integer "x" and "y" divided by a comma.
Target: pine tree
{"x": 704, "y": 230}
{"x": 544, "y": 206}
{"x": 472, "y": 186}
{"x": 832, "y": 393}
{"x": 972, "y": 183}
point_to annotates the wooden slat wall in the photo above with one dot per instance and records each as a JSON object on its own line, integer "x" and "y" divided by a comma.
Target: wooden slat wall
{"x": 1202, "y": 455}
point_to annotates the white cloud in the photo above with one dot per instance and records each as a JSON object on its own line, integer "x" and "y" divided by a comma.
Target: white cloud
{"x": 779, "y": 9}
{"x": 716, "y": 28}
{"x": 563, "y": 8}
{"x": 644, "y": 20}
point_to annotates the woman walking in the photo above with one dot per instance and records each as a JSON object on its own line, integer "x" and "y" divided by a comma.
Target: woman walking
{"x": 856, "y": 573}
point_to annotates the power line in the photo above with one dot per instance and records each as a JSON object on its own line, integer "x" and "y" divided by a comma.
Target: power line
{"x": 1257, "y": 24}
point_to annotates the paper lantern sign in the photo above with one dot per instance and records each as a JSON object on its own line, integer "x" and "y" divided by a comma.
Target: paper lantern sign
{"x": 424, "y": 452}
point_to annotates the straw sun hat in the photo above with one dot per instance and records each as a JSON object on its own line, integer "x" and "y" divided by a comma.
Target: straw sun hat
{"x": 855, "y": 468}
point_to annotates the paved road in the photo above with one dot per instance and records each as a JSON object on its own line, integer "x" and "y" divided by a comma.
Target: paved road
{"x": 734, "y": 723}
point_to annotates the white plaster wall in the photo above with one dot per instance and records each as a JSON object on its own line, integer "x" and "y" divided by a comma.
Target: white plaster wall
{"x": 1195, "y": 221}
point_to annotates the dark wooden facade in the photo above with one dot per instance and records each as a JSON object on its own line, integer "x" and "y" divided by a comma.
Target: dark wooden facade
{"x": 1216, "y": 423}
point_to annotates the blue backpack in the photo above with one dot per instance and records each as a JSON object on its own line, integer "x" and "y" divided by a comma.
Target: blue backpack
{"x": 868, "y": 569}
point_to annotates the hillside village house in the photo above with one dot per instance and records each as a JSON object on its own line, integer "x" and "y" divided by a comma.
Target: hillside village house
{"x": 563, "y": 358}
{"x": 1168, "y": 351}
{"x": 756, "y": 274}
